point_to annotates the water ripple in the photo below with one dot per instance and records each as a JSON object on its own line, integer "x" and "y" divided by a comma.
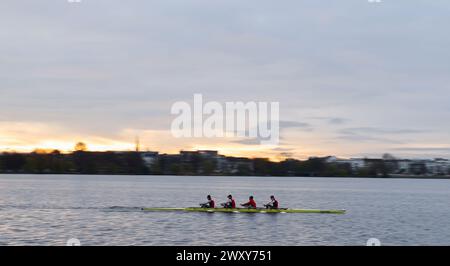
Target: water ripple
{"x": 106, "y": 210}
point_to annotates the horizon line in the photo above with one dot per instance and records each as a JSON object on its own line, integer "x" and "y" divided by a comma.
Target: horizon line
{"x": 49, "y": 151}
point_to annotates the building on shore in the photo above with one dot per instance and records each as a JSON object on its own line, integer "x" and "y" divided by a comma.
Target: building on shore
{"x": 150, "y": 158}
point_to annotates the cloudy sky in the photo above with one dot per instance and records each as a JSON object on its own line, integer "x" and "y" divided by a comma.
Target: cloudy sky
{"x": 353, "y": 78}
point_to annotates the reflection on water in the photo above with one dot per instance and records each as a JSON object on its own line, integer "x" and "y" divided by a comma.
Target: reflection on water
{"x": 105, "y": 210}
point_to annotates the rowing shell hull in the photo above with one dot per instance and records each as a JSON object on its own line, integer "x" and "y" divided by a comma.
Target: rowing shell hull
{"x": 243, "y": 210}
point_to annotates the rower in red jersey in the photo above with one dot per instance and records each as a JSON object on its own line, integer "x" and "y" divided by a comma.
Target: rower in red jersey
{"x": 209, "y": 204}
{"x": 231, "y": 204}
{"x": 250, "y": 204}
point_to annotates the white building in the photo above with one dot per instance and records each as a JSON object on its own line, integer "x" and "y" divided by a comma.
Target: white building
{"x": 404, "y": 166}
{"x": 149, "y": 157}
{"x": 437, "y": 166}
{"x": 357, "y": 163}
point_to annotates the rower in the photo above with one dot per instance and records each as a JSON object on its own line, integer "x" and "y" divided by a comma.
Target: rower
{"x": 230, "y": 203}
{"x": 273, "y": 204}
{"x": 250, "y": 204}
{"x": 209, "y": 204}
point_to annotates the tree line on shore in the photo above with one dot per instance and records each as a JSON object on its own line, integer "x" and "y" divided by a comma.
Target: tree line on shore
{"x": 132, "y": 163}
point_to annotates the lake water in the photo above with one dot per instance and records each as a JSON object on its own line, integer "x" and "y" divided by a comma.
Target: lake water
{"x": 105, "y": 210}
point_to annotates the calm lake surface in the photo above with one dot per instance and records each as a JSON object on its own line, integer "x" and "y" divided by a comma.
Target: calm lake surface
{"x": 105, "y": 210}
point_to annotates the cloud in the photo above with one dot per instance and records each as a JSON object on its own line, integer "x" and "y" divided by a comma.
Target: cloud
{"x": 101, "y": 67}
{"x": 373, "y": 134}
{"x": 379, "y": 131}
{"x": 294, "y": 124}
{"x": 283, "y": 125}
{"x": 332, "y": 120}
{"x": 249, "y": 141}
{"x": 282, "y": 149}
{"x": 423, "y": 149}
{"x": 361, "y": 138}
{"x": 422, "y": 152}
{"x": 337, "y": 121}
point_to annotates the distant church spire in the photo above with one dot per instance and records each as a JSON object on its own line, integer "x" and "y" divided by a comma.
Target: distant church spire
{"x": 138, "y": 144}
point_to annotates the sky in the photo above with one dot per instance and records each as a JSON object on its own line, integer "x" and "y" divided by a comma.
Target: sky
{"x": 353, "y": 78}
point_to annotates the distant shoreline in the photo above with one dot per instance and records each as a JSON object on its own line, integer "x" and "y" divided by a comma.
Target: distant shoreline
{"x": 322, "y": 177}
{"x": 211, "y": 163}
